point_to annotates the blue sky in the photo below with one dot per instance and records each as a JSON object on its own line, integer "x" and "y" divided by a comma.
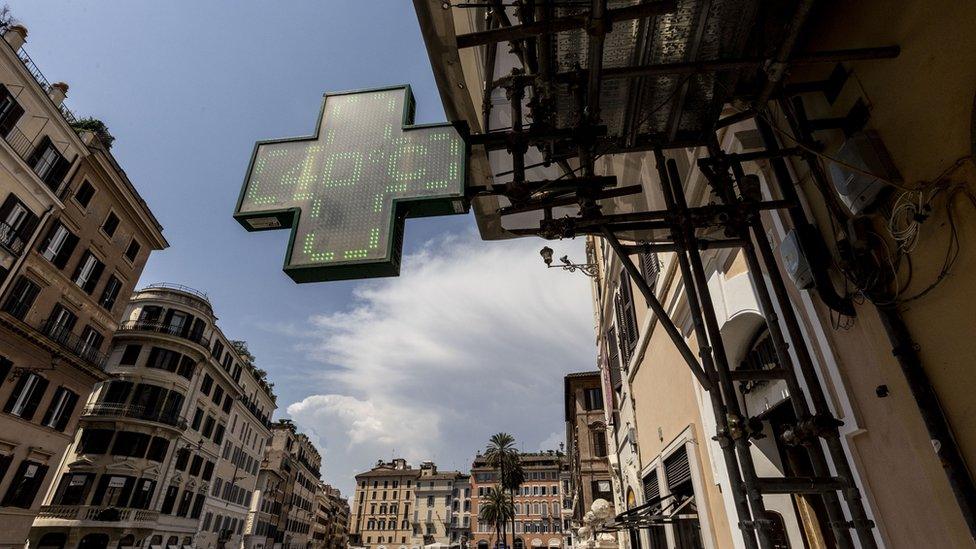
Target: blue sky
{"x": 470, "y": 340}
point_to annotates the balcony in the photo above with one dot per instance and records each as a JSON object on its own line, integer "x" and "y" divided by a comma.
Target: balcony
{"x": 133, "y": 411}
{"x": 73, "y": 344}
{"x": 97, "y": 513}
{"x": 11, "y": 240}
{"x": 160, "y": 328}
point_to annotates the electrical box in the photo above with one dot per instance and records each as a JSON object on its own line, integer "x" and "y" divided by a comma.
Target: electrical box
{"x": 795, "y": 261}
{"x": 857, "y": 189}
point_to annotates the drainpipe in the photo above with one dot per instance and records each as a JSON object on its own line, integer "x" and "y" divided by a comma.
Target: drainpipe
{"x": 902, "y": 346}
{"x": 936, "y": 423}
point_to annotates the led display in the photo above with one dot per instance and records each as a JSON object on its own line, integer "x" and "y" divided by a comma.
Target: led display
{"x": 346, "y": 191}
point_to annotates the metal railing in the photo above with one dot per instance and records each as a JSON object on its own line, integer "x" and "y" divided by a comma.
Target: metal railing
{"x": 10, "y": 239}
{"x": 160, "y": 328}
{"x": 134, "y": 411}
{"x": 24, "y": 147}
{"x": 33, "y": 69}
{"x": 99, "y": 513}
{"x": 179, "y": 288}
{"x": 73, "y": 344}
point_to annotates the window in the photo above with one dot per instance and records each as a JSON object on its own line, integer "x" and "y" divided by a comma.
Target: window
{"x": 163, "y": 359}
{"x": 17, "y": 224}
{"x": 227, "y": 404}
{"x": 21, "y": 298}
{"x": 196, "y": 465}
{"x": 208, "y": 470}
{"x": 130, "y": 444}
{"x": 592, "y": 399}
{"x": 599, "y": 443}
{"x": 88, "y": 271}
{"x": 58, "y": 245}
{"x": 113, "y": 490}
{"x": 206, "y": 384}
{"x": 170, "y": 500}
{"x": 197, "y": 418}
{"x": 626, "y": 318}
{"x": 10, "y": 111}
{"x": 85, "y": 193}
{"x": 26, "y": 396}
{"x": 133, "y": 250}
{"x": 59, "y": 411}
{"x": 157, "y": 449}
{"x": 74, "y": 488}
{"x": 48, "y": 163}
{"x": 130, "y": 355}
{"x": 217, "y": 395}
{"x": 25, "y": 484}
{"x": 143, "y": 493}
{"x": 95, "y": 441}
{"x": 111, "y": 224}
{"x": 182, "y": 458}
{"x": 219, "y": 434}
{"x": 91, "y": 341}
{"x": 208, "y": 426}
{"x": 110, "y": 293}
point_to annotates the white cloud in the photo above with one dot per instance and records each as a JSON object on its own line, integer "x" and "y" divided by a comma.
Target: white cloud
{"x": 472, "y": 339}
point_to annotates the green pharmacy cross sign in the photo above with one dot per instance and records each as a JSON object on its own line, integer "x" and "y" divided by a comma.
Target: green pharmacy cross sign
{"x": 346, "y": 190}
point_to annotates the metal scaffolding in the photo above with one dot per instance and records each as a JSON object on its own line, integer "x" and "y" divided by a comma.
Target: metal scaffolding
{"x": 585, "y": 90}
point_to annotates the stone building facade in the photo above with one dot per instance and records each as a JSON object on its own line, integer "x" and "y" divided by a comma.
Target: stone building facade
{"x": 382, "y": 510}
{"x": 538, "y": 504}
{"x": 587, "y": 448}
{"x": 74, "y": 238}
{"x": 143, "y": 468}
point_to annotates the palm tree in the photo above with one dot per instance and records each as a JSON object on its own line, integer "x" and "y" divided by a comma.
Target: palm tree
{"x": 504, "y": 456}
{"x": 495, "y": 508}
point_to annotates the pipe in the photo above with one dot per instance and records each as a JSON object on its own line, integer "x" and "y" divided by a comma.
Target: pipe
{"x": 811, "y": 239}
{"x": 936, "y": 423}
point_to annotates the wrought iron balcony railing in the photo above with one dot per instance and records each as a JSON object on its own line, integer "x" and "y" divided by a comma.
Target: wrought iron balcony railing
{"x": 135, "y": 411}
{"x": 161, "y": 328}
{"x": 97, "y": 513}
{"x": 73, "y": 344}
{"x": 11, "y": 240}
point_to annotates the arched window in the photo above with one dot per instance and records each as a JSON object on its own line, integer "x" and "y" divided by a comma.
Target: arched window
{"x": 518, "y": 508}
{"x": 761, "y": 356}
{"x": 52, "y": 540}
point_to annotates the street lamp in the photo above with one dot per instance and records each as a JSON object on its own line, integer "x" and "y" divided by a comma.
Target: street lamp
{"x": 589, "y": 269}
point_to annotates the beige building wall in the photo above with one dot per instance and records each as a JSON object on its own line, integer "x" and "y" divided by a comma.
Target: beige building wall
{"x": 383, "y": 509}
{"x": 56, "y": 317}
{"x": 438, "y": 512}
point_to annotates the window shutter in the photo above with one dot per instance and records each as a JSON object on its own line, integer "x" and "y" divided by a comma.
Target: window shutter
{"x": 652, "y": 490}
{"x": 7, "y": 206}
{"x": 613, "y": 363}
{"x": 35, "y": 155}
{"x": 18, "y": 388}
{"x": 29, "y": 225}
{"x": 35, "y": 398}
{"x": 649, "y": 268}
{"x": 47, "y": 237}
{"x": 677, "y": 469}
{"x": 627, "y": 311}
{"x": 95, "y": 276}
{"x": 5, "y": 366}
{"x": 69, "y": 409}
{"x": 55, "y": 177}
{"x": 11, "y": 118}
{"x": 66, "y": 250}
{"x": 622, "y": 330}
{"x": 80, "y": 266}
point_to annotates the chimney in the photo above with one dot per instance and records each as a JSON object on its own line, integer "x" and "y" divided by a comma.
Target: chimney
{"x": 57, "y": 93}
{"x": 15, "y": 35}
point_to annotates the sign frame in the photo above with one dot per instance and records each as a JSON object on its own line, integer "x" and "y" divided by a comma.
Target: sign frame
{"x": 402, "y": 208}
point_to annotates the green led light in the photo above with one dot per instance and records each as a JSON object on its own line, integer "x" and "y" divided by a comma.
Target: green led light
{"x": 351, "y": 183}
